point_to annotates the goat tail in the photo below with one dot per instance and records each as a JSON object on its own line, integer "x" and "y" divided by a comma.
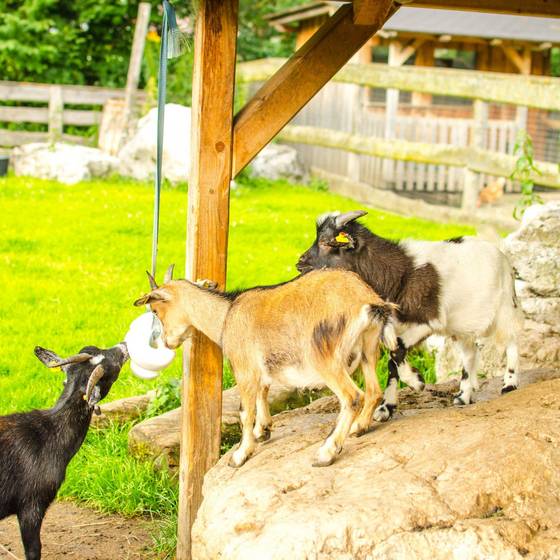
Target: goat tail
{"x": 382, "y": 314}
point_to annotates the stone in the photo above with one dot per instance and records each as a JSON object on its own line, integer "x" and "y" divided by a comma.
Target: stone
{"x": 542, "y": 310}
{"x": 158, "y": 438}
{"x": 278, "y": 161}
{"x": 478, "y": 482}
{"x": 122, "y": 410}
{"x": 137, "y": 158}
{"x": 537, "y": 265}
{"x": 534, "y": 249}
{"x": 62, "y": 162}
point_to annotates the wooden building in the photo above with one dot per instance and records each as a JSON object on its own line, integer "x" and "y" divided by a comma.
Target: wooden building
{"x": 458, "y": 39}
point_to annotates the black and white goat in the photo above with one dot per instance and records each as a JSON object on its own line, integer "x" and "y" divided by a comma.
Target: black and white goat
{"x": 462, "y": 288}
{"x": 36, "y": 446}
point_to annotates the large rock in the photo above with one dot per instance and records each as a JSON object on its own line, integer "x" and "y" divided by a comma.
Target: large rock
{"x": 138, "y": 155}
{"x": 278, "y": 161}
{"x": 122, "y": 410}
{"x": 479, "y": 482}
{"x": 158, "y": 438}
{"x": 66, "y": 163}
{"x": 534, "y": 249}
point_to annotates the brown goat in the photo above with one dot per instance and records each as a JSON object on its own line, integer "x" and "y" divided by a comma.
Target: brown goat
{"x": 314, "y": 330}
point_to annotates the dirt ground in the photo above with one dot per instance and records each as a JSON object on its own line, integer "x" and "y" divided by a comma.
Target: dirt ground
{"x": 77, "y": 533}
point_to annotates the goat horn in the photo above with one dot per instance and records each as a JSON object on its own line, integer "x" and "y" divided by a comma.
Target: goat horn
{"x": 153, "y": 283}
{"x": 94, "y": 378}
{"x": 342, "y": 219}
{"x": 76, "y": 359}
{"x": 169, "y": 274}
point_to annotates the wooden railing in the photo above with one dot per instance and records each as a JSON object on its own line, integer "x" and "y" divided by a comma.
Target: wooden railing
{"x": 474, "y": 158}
{"x": 55, "y": 115}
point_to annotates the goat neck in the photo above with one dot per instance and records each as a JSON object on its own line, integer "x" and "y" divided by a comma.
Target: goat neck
{"x": 205, "y": 309}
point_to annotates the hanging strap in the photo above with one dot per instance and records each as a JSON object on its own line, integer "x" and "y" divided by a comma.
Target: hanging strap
{"x": 170, "y": 47}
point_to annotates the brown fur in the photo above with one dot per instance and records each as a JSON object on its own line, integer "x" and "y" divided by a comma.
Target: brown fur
{"x": 300, "y": 333}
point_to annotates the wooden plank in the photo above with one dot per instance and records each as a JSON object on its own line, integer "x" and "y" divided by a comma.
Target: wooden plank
{"x": 83, "y": 95}
{"x": 546, "y": 8}
{"x": 56, "y": 106}
{"x": 297, "y": 81}
{"x": 476, "y": 159}
{"x": 18, "y": 137}
{"x": 207, "y": 236}
{"x": 540, "y": 92}
{"x": 81, "y": 118}
{"x": 135, "y": 64}
{"x": 24, "y": 114}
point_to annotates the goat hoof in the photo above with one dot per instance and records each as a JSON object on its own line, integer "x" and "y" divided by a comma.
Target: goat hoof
{"x": 359, "y": 432}
{"x": 459, "y": 400}
{"x": 323, "y": 463}
{"x": 421, "y": 381}
{"x": 237, "y": 460}
{"x": 265, "y": 436}
{"x": 508, "y": 389}
{"x": 384, "y": 412}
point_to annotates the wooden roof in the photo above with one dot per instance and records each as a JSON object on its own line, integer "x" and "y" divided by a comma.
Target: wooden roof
{"x": 476, "y": 18}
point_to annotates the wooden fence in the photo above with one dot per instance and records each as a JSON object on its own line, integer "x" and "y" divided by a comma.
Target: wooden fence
{"x": 339, "y": 133}
{"x": 55, "y": 114}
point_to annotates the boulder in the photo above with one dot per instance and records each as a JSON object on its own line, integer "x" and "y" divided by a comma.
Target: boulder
{"x": 138, "y": 156}
{"x": 158, "y": 438}
{"x": 478, "y": 482}
{"x": 278, "y": 161}
{"x": 122, "y": 410}
{"x": 534, "y": 249}
{"x": 67, "y": 163}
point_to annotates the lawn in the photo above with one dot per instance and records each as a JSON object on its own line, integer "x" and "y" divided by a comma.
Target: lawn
{"x": 72, "y": 261}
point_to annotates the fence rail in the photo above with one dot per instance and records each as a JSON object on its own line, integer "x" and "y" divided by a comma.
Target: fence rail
{"x": 54, "y": 114}
{"x": 419, "y": 149}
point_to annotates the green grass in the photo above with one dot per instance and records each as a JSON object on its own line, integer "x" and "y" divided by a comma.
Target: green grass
{"x": 72, "y": 261}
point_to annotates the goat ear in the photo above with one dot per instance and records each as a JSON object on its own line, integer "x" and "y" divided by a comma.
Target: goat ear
{"x": 207, "y": 284}
{"x": 342, "y": 219}
{"x": 155, "y": 295}
{"x": 169, "y": 274}
{"x": 48, "y": 357}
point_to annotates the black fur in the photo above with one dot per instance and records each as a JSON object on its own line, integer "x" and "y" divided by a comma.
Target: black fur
{"x": 382, "y": 263}
{"x": 36, "y": 446}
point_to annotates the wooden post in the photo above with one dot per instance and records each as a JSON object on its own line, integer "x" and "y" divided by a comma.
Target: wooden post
{"x": 56, "y": 110}
{"x": 207, "y": 235}
{"x": 135, "y": 65}
{"x": 391, "y": 110}
{"x": 478, "y": 140}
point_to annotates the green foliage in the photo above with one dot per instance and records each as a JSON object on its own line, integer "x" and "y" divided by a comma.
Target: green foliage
{"x": 523, "y": 172}
{"x": 167, "y": 397}
{"x": 72, "y": 261}
{"x": 59, "y": 41}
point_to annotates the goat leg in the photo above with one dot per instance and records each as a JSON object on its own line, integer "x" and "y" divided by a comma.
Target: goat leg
{"x": 30, "y": 521}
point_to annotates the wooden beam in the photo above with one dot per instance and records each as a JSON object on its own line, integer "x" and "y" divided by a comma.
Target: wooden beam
{"x": 522, "y": 61}
{"x": 365, "y": 12}
{"x": 402, "y": 52}
{"x": 56, "y": 108}
{"x": 300, "y": 79}
{"x": 207, "y": 236}
{"x": 545, "y": 8}
{"x": 479, "y": 160}
{"x": 540, "y": 92}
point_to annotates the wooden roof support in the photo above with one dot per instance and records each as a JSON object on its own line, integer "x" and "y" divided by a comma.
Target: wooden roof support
{"x": 404, "y": 52}
{"x": 305, "y": 73}
{"x": 546, "y": 8}
{"x": 207, "y": 235}
{"x": 521, "y": 61}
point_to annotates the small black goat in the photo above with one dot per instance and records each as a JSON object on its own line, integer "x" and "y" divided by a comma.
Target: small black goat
{"x": 36, "y": 446}
{"x": 462, "y": 288}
